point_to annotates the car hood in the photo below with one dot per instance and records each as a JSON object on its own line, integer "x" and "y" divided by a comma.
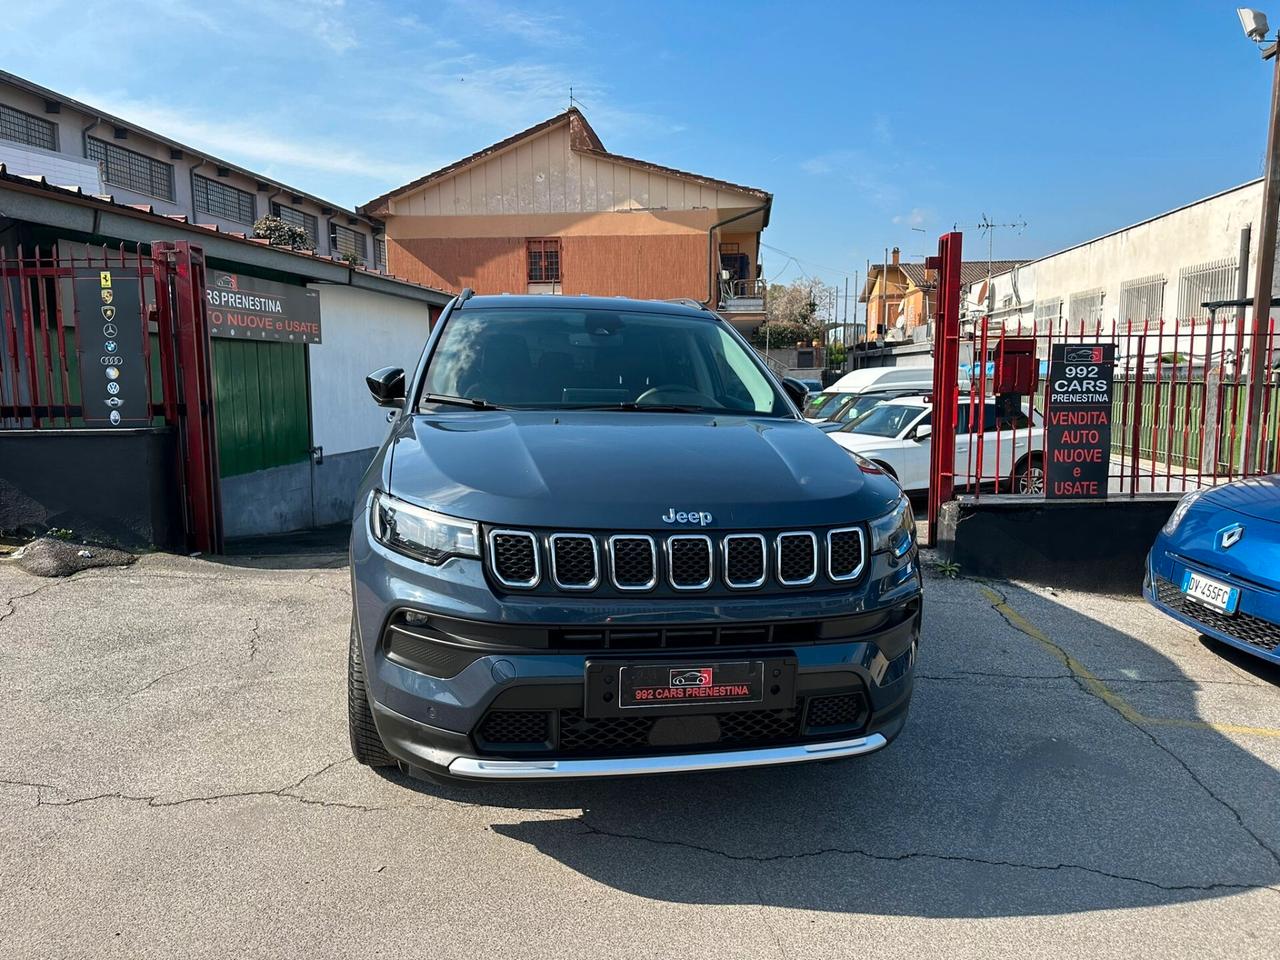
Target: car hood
{"x": 606, "y": 470}
{"x": 1251, "y": 555}
{"x": 1255, "y": 497}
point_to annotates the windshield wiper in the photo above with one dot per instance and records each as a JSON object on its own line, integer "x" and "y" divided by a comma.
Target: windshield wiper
{"x": 473, "y": 402}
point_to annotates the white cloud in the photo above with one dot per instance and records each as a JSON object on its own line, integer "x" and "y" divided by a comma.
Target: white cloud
{"x": 249, "y": 143}
{"x": 917, "y": 217}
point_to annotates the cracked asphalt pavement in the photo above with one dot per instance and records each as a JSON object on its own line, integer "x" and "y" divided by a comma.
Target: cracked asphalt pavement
{"x": 1079, "y": 778}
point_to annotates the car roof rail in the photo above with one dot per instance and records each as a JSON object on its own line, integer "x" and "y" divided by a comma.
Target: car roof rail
{"x": 690, "y": 302}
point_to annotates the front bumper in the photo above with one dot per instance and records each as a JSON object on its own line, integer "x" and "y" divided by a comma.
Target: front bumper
{"x": 1253, "y": 628}
{"x": 853, "y": 650}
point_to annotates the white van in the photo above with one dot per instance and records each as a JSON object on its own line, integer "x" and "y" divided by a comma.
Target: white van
{"x": 884, "y": 378}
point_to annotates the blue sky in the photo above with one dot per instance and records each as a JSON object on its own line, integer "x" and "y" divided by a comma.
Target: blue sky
{"x": 863, "y": 119}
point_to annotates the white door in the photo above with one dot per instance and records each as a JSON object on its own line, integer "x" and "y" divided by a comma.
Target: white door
{"x": 915, "y": 456}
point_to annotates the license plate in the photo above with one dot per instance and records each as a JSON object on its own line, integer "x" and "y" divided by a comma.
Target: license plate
{"x": 666, "y": 685}
{"x": 1210, "y": 592}
{"x": 617, "y": 688}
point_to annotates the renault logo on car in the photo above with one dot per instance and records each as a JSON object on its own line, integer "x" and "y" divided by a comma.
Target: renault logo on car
{"x": 1228, "y": 537}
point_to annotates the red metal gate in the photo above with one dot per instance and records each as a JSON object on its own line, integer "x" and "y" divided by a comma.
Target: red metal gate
{"x": 1178, "y": 412}
{"x": 42, "y": 326}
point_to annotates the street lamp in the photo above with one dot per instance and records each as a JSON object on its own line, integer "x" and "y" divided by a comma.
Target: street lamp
{"x": 1256, "y": 29}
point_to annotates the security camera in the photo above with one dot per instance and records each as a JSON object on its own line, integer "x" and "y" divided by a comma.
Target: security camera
{"x": 1254, "y": 23}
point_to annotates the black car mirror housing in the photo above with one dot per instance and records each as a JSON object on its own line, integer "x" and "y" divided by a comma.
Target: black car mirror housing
{"x": 387, "y": 386}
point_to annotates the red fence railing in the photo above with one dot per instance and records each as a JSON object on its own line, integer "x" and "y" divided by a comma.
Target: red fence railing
{"x": 1179, "y": 407}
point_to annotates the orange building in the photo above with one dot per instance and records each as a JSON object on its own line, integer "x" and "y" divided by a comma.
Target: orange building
{"x": 549, "y": 210}
{"x": 901, "y": 296}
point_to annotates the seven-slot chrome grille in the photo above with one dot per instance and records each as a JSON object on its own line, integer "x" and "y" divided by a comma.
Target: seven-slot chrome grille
{"x": 682, "y": 562}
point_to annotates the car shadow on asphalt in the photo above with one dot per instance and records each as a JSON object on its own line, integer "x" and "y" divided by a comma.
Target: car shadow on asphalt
{"x": 1015, "y": 790}
{"x": 1263, "y": 670}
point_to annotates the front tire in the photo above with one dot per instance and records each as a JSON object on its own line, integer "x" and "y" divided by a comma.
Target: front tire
{"x": 366, "y": 745}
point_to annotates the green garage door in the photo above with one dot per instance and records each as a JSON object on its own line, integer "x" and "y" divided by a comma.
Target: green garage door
{"x": 260, "y": 399}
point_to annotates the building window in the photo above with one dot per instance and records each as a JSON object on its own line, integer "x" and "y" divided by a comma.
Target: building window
{"x": 380, "y": 252}
{"x": 1084, "y": 310}
{"x": 1142, "y": 300}
{"x": 350, "y": 243}
{"x": 28, "y": 129}
{"x": 1048, "y": 313}
{"x": 222, "y": 200}
{"x": 303, "y": 221}
{"x": 1205, "y": 283}
{"x": 544, "y": 260}
{"x": 131, "y": 170}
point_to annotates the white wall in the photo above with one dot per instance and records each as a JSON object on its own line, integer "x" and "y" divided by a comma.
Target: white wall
{"x": 361, "y": 332}
{"x": 1204, "y": 231}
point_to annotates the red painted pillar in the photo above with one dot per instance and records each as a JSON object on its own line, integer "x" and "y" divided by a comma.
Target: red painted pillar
{"x": 946, "y": 370}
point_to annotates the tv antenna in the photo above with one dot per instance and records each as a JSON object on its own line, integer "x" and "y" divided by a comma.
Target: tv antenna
{"x": 985, "y": 226}
{"x": 574, "y": 101}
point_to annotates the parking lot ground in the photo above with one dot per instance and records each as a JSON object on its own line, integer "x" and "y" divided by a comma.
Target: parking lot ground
{"x": 1079, "y": 778}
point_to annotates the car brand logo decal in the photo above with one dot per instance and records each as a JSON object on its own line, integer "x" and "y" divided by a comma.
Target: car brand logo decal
{"x": 1228, "y": 537}
{"x": 1084, "y": 355}
{"x": 699, "y": 517}
{"x": 108, "y": 314}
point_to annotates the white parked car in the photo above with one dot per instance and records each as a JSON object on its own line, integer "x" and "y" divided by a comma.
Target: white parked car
{"x": 897, "y": 434}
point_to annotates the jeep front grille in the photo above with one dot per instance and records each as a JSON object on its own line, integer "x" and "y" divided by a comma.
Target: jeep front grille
{"x": 745, "y": 564}
{"x": 797, "y": 558}
{"x": 514, "y": 558}
{"x": 844, "y": 553}
{"x": 575, "y": 562}
{"x": 689, "y": 561}
{"x": 633, "y": 562}
{"x": 676, "y": 562}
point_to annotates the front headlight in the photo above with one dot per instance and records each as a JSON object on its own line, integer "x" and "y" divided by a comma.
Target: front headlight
{"x": 1181, "y": 509}
{"x": 895, "y": 531}
{"x": 421, "y": 533}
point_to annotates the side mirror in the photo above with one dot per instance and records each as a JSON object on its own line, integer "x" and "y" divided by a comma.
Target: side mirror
{"x": 923, "y": 433}
{"x": 796, "y": 390}
{"x": 387, "y": 386}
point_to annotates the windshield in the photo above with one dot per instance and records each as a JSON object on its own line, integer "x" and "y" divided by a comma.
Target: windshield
{"x": 567, "y": 358}
{"x": 824, "y": 403}
{"x": 885, "y": 420}
{"x": 860, "y": 406}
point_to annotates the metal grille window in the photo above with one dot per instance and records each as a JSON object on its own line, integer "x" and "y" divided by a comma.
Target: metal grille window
{"x": 1204, "y": 283}
{"x": 1085, "y": 308}
{"x": 544, "y": 260}
{"x": 304, "y": 221}
{"x": 222, "y": 200}
{"x": 1048, "y": 313}
{"x": 1142, "y": 300}
{"x": 350, "y": 243}
{"x": 131, "y": 170}
{"x": 26, "y": 128}
{"x": 380, "y": 252}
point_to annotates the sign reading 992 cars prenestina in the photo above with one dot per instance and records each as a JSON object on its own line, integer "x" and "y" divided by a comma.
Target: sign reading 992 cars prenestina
{"x": 1078, "y": 433}
{"x": 252, "y": 309}
{"x": 113, "y": 369}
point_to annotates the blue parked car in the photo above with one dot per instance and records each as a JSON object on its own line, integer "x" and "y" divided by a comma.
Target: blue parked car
{"x": 1216, "y": 565}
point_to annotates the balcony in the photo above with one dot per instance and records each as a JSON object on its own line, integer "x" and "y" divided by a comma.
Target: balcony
{"x": 742, "y": 296}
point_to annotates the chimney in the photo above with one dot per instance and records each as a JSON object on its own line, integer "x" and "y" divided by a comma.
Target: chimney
{"x": 895, "y": 256}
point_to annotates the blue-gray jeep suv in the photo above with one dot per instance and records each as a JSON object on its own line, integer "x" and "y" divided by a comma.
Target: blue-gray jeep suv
{"x": 600, "y": 540}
